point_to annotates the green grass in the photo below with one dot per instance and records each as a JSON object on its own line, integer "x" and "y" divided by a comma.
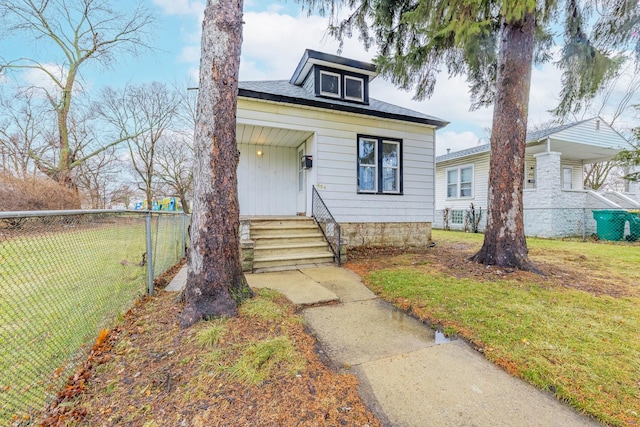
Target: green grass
{"x": 263, "y": 307}
{"x": 582, "y": 347}
{"x": 209, "y": 336}
{"x": 57, "y": 289}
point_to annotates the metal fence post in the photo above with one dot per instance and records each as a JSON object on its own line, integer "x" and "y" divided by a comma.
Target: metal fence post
{"x": 584, "y": 224}
{"x": 149, "y": 256}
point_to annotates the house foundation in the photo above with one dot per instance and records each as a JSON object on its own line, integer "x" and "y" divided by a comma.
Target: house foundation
{"x": 378, "y": 234}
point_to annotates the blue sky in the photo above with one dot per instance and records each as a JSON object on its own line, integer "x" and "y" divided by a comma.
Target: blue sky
{"x": 275, "y": 36}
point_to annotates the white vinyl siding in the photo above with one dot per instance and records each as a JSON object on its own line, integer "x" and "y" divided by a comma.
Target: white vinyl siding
{"x": 335, "y": 154}
{"x": 480, "y": 164}
{"x": 586, "y": 133}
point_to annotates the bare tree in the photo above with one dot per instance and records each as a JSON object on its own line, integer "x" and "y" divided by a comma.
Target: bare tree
{"x": 174, "y": 161}
{"x": 123, "y": 194}
{"x": 23, "y": 128}
{"x": 146, "y": 111}
{"x": 96, "y": 176}
{"x": 72, "y": 33}
{"x": 215, "y": 282}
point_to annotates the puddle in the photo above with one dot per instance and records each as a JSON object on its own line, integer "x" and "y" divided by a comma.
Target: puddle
{"x": 440, "y": 338}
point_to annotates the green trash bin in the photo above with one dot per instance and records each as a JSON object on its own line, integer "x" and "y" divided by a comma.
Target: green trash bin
{"x": 634, "y": 225}
{"x": 610, "y": 223}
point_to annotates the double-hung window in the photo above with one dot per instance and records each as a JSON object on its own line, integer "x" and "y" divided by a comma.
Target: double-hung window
{"x": 460, "y": 182}
{"x": 379, "y": 165}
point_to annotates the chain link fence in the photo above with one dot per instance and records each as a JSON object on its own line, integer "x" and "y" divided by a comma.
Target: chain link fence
{"x": 579, "y": 223}
{"x": 63, "y": 277}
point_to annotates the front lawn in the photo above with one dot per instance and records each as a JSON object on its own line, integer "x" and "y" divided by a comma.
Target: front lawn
{"x": 575, "y": 332}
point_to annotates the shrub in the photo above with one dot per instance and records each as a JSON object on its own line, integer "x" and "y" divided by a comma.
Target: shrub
{"x": 35, "y": 193}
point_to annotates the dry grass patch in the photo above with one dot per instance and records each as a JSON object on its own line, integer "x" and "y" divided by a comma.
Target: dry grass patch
{"x": 259, "y": 368}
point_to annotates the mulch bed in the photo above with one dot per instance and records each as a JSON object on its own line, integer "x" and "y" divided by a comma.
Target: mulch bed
{"x": 147, "y": 372}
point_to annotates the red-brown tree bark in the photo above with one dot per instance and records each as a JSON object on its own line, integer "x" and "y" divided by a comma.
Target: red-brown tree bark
{"x": 215, "y": 282}
{"x": 504, "y": 240}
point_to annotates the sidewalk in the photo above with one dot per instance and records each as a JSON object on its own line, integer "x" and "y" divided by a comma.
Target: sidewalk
{"x": 408, "y": 376}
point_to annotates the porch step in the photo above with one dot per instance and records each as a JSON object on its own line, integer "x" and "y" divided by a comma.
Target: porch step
{"x": 286, "y": 243}
{"x": 286, "y": 239}
{"x": 292, "y": 261}
{"x": 288, "y": 248}
{"x": 288, "y": 229}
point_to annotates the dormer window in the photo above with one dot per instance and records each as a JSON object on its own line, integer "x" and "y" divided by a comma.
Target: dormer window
{"x": 334, "y": 77}
{"x": 329, "y": 84}
{"x": 354, "y": 88}
{"x": 341, "y": 84}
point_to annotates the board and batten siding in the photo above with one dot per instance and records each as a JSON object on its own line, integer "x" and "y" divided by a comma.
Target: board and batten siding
{"x": 268, "y": 182}
{"x": 480, "y": 164}
{"x": 334, "y": 151}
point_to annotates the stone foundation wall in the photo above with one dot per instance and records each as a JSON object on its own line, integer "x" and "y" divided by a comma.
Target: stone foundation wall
{"x": 386, "y": 234}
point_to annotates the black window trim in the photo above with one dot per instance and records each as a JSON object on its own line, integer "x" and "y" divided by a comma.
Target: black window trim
{"x": 380, "y": 140}
{"x": 342, "y": 73}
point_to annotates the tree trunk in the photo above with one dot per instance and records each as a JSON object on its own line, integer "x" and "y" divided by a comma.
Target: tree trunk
{"x": 185, "y": 203}
{"x": 215, "y": 282}
{"x": 504, "y": 241}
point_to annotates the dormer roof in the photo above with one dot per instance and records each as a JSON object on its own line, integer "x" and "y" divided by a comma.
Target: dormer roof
{"x": 313, "y": 57}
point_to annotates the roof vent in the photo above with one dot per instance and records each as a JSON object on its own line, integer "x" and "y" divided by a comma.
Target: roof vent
{"x": 448, "y": 150}
{"x": 598, "y": 125}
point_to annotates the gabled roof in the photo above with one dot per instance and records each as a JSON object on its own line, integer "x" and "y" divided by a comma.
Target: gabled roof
{"x": 484, "y": 148}
{"x": 285, "y": 92}
{"x": 602, "y": 145}
{"x": 544, "y": 133}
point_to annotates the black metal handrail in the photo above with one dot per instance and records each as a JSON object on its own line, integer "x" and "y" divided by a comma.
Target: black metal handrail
{"x": 328, "y": 225}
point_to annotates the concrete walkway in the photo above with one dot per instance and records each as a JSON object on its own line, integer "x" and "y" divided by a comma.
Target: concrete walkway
{"x": 407, "y": 376}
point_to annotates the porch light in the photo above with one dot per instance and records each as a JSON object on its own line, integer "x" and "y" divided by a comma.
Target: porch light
{"x": 259, "y": 153}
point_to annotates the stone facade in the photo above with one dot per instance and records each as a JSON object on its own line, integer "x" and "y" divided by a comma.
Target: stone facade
{"x": 246, "y": 245}
{"x": 378, "y": 234}
{"x": 550, "y": 211}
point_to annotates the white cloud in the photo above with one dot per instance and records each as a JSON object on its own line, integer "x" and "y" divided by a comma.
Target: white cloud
{"x": 181, "y": 7}
{"x": 194, "y": 73}
{"x": 37, "y": 78}
{"x": 189, "y": 54}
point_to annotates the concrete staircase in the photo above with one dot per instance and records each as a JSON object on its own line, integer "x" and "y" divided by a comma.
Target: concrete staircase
{"x": 287, "y": 243}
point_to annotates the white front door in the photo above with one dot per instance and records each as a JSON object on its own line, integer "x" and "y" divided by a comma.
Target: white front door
{"x": 267, "y": 178}
{"x": 302, "y": 176}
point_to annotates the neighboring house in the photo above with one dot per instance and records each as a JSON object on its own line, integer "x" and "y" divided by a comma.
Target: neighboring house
{"x": 371, "y": 162}
{"x": 555, "y": 202}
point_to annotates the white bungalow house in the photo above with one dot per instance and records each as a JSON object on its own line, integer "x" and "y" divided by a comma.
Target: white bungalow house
{"x": 555, "y": 201}
{"x": 370, "y": 162}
